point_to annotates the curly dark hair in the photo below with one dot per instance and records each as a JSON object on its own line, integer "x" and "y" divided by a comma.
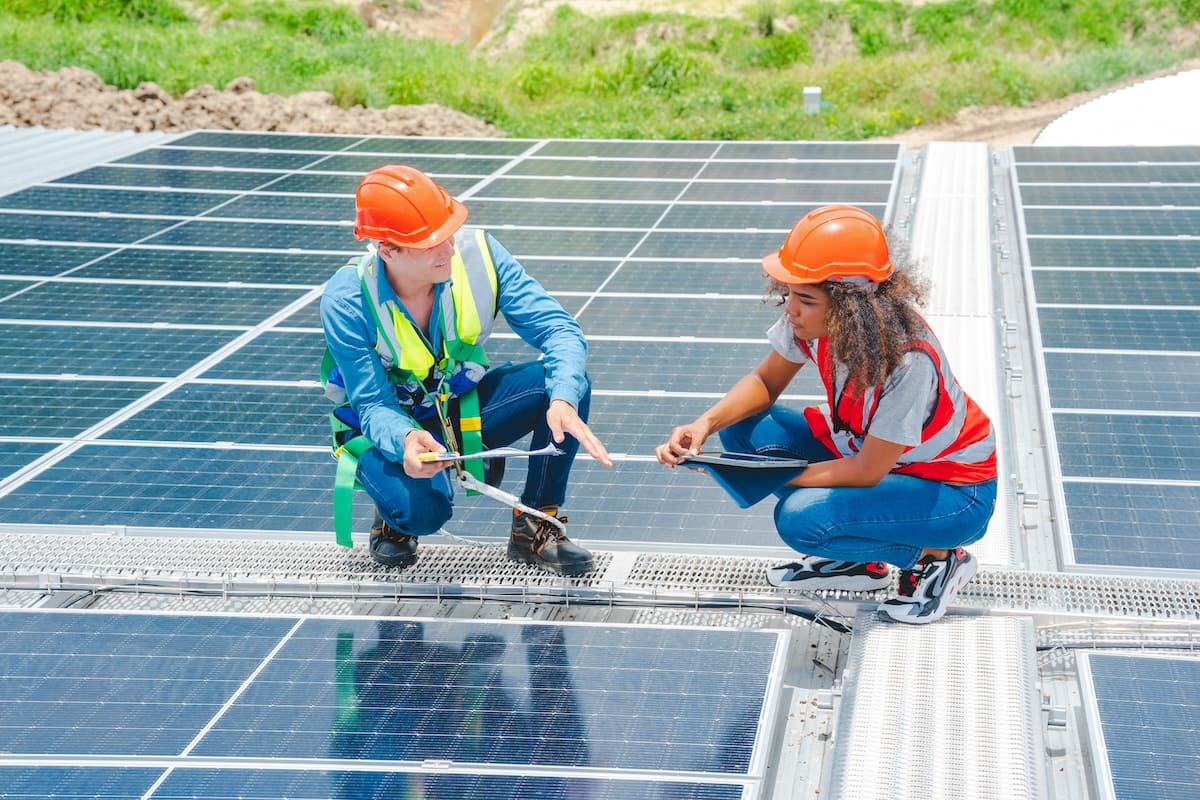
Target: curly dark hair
{"x": 870, "y": 325}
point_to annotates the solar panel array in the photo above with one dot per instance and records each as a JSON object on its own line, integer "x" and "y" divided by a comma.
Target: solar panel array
{"x": 1145, "y": 715}
{"x": 1113, "y": 243}
{"x": 160, "y": 336}
{"x": 207, "y": 707}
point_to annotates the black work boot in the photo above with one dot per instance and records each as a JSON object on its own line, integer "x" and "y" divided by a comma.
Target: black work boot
{"x": 390, "y": 548}
{"x": 538, "y": 542}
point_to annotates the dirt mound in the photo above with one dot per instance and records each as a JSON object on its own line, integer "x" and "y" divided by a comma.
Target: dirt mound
{"x": 77, "y": 98}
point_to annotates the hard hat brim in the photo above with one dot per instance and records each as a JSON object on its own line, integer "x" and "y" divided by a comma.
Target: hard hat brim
{"x": 774, "y": 268}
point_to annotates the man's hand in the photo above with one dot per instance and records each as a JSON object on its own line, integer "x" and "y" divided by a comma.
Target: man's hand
{"x": 563, "y": 418}
{"x": 686, "y": 440}
{"x": 420, "y": 441}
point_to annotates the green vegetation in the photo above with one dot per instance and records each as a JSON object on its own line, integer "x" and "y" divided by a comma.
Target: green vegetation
{"x": 883, "y": 65}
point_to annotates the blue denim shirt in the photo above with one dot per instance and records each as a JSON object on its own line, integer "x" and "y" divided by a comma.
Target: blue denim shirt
{"x": 530, "y": 311}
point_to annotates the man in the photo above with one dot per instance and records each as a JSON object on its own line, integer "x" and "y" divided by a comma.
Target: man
{"x": 405, "y": 326}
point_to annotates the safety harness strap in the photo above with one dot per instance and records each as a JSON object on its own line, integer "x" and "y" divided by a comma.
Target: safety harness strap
{"x": 345, "y": 481}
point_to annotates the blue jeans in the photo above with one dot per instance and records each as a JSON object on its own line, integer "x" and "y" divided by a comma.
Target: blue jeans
{"x": 512, "y": 403}
{"x": 893, "y": 521}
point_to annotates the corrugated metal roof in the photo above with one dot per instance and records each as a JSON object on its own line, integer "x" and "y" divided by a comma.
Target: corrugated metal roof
{"x": 35, "y": 155}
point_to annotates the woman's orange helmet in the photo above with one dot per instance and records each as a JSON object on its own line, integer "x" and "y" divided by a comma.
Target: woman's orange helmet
{"x": 405, "y": 207}
{"x": 832, "y": 243}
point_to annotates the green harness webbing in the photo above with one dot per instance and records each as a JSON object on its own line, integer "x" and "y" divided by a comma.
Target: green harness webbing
{"x": 348, "y": 453}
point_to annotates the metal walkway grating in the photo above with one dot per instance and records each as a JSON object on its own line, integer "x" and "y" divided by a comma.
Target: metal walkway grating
{"x": 945, "y": 710}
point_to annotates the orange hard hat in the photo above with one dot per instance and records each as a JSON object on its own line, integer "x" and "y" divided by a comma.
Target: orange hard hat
{"x": 404, "y": 206}
{"x": 832, "y": 243}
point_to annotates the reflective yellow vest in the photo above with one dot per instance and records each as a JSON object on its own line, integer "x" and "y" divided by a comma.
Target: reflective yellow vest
{"x": 468, "y": 314}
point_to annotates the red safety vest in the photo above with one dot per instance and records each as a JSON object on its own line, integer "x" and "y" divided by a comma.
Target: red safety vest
{"x": 957, "y": 441}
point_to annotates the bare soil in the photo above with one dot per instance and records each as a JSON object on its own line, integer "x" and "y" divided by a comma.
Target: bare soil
{"x": 77, "y": 98}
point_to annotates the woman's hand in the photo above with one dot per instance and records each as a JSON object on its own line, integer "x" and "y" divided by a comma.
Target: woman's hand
{"x": 685, "y": 440}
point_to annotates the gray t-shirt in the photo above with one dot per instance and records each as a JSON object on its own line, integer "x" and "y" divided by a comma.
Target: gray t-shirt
{"x": 908, "y": 396}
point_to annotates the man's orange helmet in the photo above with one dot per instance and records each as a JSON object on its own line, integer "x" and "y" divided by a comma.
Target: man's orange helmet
{"x": 405, "y": 207}
{"x": 832, "y": 243}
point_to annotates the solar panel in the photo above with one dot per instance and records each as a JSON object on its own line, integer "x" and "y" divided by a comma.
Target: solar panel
{"x": 1115, "y": 291}
{"x": 1144, "y": 713}
{"x": 191, "y": 271}
{"x": 302, "y": 706}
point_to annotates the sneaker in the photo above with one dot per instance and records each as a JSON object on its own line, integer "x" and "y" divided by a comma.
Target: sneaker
{"x": 541, "y": 543}
{"x": 814, "y": 572}
{"x": 391, "y": 548}
{"x": 926, "y": 590}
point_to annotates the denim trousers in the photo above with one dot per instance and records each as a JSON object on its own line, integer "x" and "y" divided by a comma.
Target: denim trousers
{"x": 512, "y": 402}
{"x": 893, "y": 521}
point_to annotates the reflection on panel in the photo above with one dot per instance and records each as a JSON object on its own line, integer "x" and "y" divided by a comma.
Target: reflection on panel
{"x": 176, "y": 487}
{"x": 220, "y": 413}
{"x": 1146, "y": 525}
{"x": 33, "y": 259}
{"x": 105, "y": 350}
{"x": 1149, "y": 717}
{"x": 62, "y": 408}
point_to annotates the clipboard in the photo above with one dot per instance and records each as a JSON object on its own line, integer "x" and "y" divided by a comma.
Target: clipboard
{"x": 747, "y": 477}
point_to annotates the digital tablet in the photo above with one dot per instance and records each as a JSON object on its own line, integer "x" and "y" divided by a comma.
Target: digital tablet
{"x": 746, "y": 460}
{"x": 747, "y": 477}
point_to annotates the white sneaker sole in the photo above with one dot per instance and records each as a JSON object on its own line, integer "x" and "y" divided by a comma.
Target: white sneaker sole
{"x": 897, "y": 610}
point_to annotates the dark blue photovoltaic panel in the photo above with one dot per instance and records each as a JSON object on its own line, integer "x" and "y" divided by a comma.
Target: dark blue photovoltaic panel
{"x": 629, "y": 502}
{"x": 778, "y": 216}
{"x": 710, "y": 245}
{"x": 216, "y": 266}
{"x": 670, "y": 316}
{"x": 1115, "y": 328}
{"x": 564, "y": 213}
{"x": 870, "y": 195}
{"x": 225, "y": 159}
{"x": 274, "y": 356}
{"x": 550, "y": 188}
{"x": 128, "y": 201}
{"x": 690, "y": 277}
{"x": 570, "y": 244}
{"x": 799, "y": 171}
{"x": 32, "y": 259}
{"x": 183, "y": 488}
{"x": 1110, "y": 173}
{"x": 683, "y": 366}
{"x": 17, "y": 455}
{"x": 210, "y": 784}
{"x": 436, "y": 166}
{"x": 84, "y": 230}
{"x": 273, "y": 235}
{"x": 108, "y": 351}
{"x": 292, "y": 207}
{"x": 10, "y": 288}
{"x": 1150, "y": 718}
{"x": 179, "y": 304}
{"x": 62, "y": 408}
{"x": 1111, "y": 286}
{"x": 629, "y": 149}
{"x": 1103, "y": 154}
{"x": 329, "y": 183}
{"x": 1103, "y": 221}
{"x": 268, "y": 141}
{"x": 74, "y": 783}
{"x": 637, "y": 425}
{"x": 99, "y": 683}
{"x": 403, "y": 145}
{"x": 1148, "y": 525}
{"x": 1123, "y": 381}
{"x": 477, "y": 692}
{"x": 567, "y": 275}
{"x": 1115, "y": 253}
{"x": 1128, "y": 446}
{"x": 840, "y": 151}
{"x": 223, "y": 180}
{"x": 212, "y": 413}
{"x": 1128, "y": 195}
{"x": 607, "y": 168}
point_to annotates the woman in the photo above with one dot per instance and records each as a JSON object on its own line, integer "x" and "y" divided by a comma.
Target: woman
{"x": 902, "y": 463}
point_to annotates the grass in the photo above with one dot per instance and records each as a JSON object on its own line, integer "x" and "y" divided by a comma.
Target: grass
{"x": 883, "y": 66}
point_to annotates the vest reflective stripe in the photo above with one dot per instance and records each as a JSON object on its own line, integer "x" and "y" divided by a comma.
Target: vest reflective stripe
{"x": 468, "y": 309}
{"x": 957, "y": 445}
